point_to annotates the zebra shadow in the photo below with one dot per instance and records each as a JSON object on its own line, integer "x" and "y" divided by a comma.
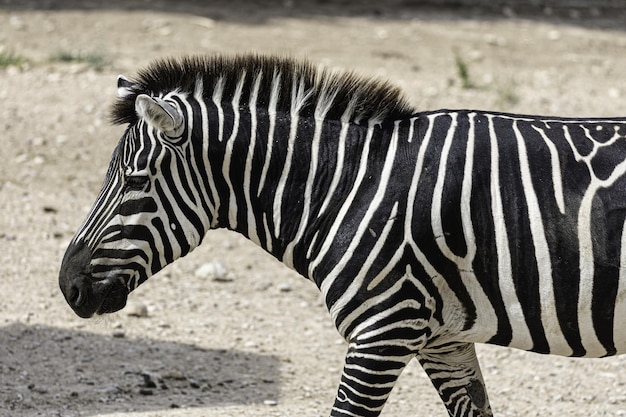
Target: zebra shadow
{"x": 53, "y": 371}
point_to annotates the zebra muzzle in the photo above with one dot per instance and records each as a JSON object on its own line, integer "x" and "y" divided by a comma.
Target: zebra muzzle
{"x": 84, "y": 294}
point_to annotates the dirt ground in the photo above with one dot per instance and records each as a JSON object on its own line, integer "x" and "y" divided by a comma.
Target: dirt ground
{"x": 253, "y": 339}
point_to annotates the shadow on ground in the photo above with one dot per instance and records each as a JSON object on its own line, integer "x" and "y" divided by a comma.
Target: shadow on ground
{"x": 608, "y": 14}
{"x": 87, "y": 374}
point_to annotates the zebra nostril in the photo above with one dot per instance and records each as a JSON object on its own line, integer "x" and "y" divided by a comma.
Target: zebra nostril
{"x": 74, "y": 297}
{"x": 77, "y": 294}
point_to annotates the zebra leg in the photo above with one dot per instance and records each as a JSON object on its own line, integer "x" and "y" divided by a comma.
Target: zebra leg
{"x": 454, "y": 371}
{"x": 369, "y": 374}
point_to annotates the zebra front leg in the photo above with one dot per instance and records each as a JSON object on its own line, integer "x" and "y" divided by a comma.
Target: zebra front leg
{"x": 454, "y": 371}
{"x": 369, "y": 374}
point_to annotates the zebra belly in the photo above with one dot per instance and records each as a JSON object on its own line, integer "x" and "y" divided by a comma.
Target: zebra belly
{"x": 548, "y": 220}
{"x": 594, "y": 327}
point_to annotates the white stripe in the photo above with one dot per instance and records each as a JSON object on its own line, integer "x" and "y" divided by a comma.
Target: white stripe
{"x": 323, "y": 105}
{"x": 330, "y": 237}
{"x": 341, "y": 410}
{"x": 378, "y": 247}
{"x": 138, "y": 151}
{"x": 419, "y": 166}
{"x": 364, "y": 224}
{"x": 587, "y": 263}
{"x": 341, "y": 149}
{"x": 356, "y": 286}
{"x": 298, "y": 99}
{"x": 252, "y": 225}
{"x": 589, "y": 338}
{"x": 619, "y": 332}
{"x": 452, "y": 316}
{"x": 105, "y": 204}
{"x": 466, "y": 193}
{"x": 107, "y": 201}
{"x": 520, "y": 334}
{"x": 271, "y": 111}
{"x": 411, "y": 129}
{"x": 228, "y": 153}
{"x": 338, "y": 171}
{"x": 198, "y": 95}
{"x": 549, "y": 319}
{"x": 486, "y": 314}
{"x": 556, "y": 170}
{"x": 268, "y": 234}
{"x": 487, "y": 320}
{"x": 310, "y": 249}
{"x": 204, "y": 216}
{"x": 435, "y": 208}
{"x": 218, "y": 91}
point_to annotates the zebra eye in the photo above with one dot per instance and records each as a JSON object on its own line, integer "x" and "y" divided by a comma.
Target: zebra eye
{"x": 136, "y": 182}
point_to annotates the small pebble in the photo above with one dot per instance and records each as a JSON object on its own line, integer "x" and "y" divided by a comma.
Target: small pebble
{"x": 270, "y": 402}
{"x": 150, "y": 379}
{"x": 137, "y": 309}
{"x": 119, "y": 333}
{"x": 111, "y": 389}
{"x": 16, "y": 23}
{"x": 176, "y": 375}
{"x": 285, "y": 288}
{"x": 214, "y": 271}
{"x": 554, "y": 35}
{"x": 38, "y": 389}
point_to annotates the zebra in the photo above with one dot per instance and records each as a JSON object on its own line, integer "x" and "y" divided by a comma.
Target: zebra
{"x": 426, "y": 232}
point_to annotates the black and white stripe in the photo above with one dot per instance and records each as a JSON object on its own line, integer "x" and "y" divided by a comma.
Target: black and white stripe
{"x": 425, "y": 232}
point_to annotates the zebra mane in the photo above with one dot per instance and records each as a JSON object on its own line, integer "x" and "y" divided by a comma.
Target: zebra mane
{"x": 289, "y": 83}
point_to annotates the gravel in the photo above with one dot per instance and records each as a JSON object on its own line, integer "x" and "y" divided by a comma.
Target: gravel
{"x": 228, "y": 330}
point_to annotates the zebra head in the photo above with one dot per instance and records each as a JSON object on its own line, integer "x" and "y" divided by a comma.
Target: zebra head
{"x": 211, "y": 142}
{"x": 134, "y": 230}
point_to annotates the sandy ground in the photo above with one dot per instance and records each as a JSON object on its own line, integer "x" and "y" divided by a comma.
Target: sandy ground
{"x": 255, "y": 340}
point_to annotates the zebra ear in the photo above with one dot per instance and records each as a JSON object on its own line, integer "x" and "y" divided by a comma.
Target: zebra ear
{"x": 161, "y": 115}
{"x": 124, "y": 86}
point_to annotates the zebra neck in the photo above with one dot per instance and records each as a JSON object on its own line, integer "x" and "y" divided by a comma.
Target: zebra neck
{"x": 286, "y": 177}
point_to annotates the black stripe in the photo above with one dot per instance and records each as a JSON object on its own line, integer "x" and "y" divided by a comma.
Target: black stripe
{"x": 138, "y": 206}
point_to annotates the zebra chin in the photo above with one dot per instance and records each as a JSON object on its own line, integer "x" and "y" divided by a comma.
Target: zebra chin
{"x": 85, "y": 294}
